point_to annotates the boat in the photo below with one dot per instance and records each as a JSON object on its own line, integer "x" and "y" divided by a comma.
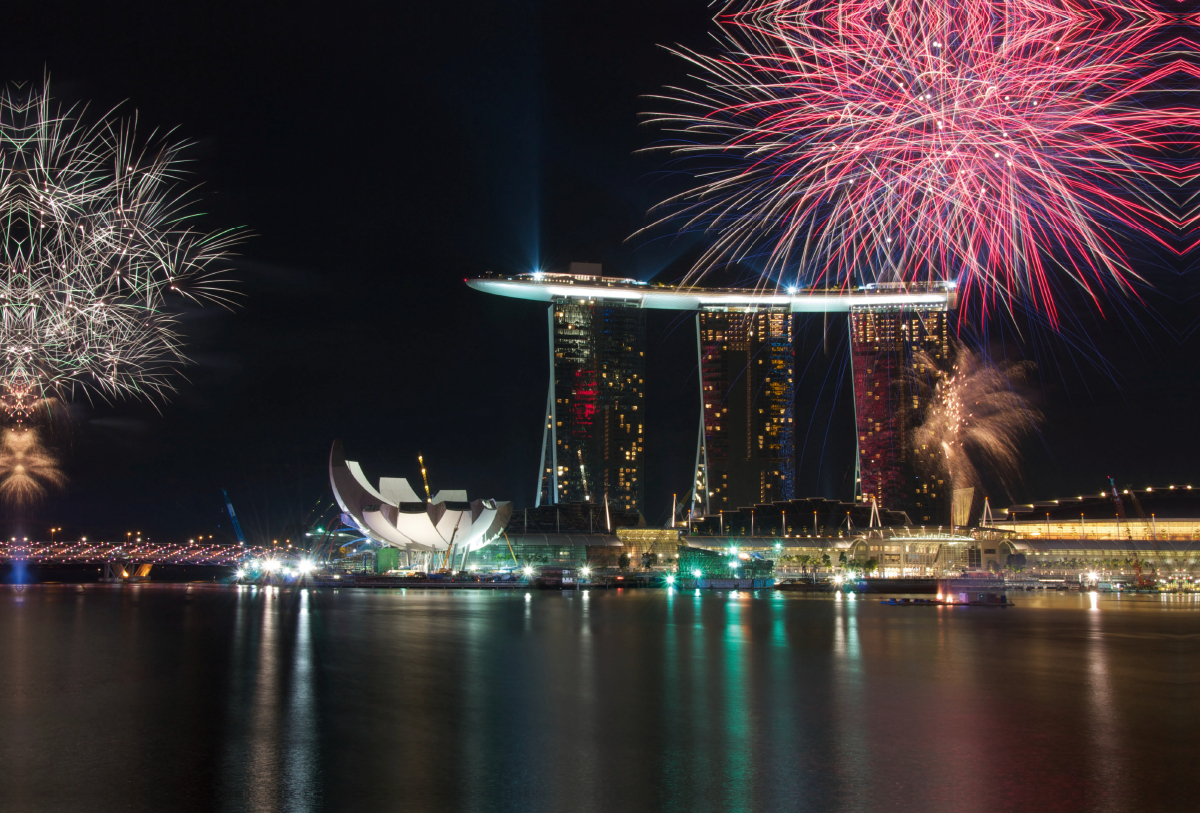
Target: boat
{"x": 984, "y": 600}
{"x": 556, "y": 577}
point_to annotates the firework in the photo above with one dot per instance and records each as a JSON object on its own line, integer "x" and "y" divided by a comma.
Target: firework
{"x": 98, "y": 247}
{"x": 998, "y": 143}
{"x": 27, "y": 469}
{"x": 977, "y": 416}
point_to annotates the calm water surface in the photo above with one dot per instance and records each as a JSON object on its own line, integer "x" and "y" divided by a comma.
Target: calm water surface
{"x": 168, "y": 699}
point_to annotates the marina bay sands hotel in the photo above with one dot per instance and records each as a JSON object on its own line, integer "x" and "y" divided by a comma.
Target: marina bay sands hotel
{"x": 594, "y": 422}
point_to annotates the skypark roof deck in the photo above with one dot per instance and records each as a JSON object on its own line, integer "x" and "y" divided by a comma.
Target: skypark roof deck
{"x": 550, "y": 286}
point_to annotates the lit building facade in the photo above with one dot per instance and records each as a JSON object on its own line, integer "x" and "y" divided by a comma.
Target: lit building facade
{"x": 746, "y": 453}
{"x": 1170, "y": 514}
{"x": 883, "y": 341}
{"x": 594, "y": 418}
{"x": 592, "y": 448}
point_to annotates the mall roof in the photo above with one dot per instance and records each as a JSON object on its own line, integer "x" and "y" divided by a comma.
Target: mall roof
{"x": 1173, "y": 502}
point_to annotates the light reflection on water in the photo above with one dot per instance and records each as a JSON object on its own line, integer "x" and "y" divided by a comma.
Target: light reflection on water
{"x": 302, "y": 761}
{"x": 1108, "y": 771}
{"x": 264, "y": 699}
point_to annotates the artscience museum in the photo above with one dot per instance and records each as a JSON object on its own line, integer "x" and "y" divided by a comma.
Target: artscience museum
{"x": 393, "y": 515}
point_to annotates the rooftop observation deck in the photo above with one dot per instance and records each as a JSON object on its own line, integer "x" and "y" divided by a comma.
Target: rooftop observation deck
{"x": 546, "y": 287}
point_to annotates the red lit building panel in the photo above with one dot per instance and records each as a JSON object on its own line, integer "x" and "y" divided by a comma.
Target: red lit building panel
{"x": 599, "y": 392}
{"x": 882, "y": 343}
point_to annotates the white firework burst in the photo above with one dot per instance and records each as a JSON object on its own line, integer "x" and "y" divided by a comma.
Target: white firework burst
{"x": 98, "y": 251}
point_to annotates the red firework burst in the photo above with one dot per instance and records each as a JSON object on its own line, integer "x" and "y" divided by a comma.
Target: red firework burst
{"x": 1000, "y": 143}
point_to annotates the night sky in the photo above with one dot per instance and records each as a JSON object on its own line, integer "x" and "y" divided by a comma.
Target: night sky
{"x": 380, "y": 154}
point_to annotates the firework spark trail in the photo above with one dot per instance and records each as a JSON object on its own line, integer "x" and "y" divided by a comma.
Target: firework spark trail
{"x": 97, "y": 243}
{"x": 27, "y": 469}
{"x": 976, "y": 417}
{"x": 1000, "y": 143}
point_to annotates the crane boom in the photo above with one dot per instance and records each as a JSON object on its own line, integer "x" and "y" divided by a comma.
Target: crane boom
{"x": 424, "y": 478}
{"x": 1141, "y": 514}
{"x": 237, "y": 526}
{"x": 1117, "y": 498}
{"x": 1142, "y": 582}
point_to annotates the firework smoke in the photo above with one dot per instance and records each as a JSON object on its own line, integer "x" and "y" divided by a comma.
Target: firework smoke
{"x": 998, "y": 143}
{"x": 96, "y": 244}
{"x": 27, "y": 469}
{"x": 977, "y": 417}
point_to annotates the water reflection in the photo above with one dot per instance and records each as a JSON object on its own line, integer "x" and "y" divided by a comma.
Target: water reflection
{"x": 263, "y": 767}
{"x": 269, "y": 700}
{"x": 1109, "y": 782}
{"x": 272, "y": 756}
{"x": 301, "y": 762}
{"x": 736, "y": 792}
{"x": 851, "y": 708}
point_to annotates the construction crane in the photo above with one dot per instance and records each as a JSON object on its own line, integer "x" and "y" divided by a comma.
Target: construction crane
{"x": 424, "y": 479}
{"x": 582, "y": 473}
{"x": 1117, "y": 498}
{"x": 1142, "y": 580}
{"x": 1141, "y": 514}
{"x": 429, "y": 496}
{"x": 237, "y": 527}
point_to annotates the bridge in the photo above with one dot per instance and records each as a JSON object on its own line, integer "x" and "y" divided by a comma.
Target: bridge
{"x": 134, "y": 554}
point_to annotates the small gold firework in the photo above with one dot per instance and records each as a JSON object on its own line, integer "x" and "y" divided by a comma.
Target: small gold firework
{"x": 27, "y": 468}
{"x": 978, "y": 415}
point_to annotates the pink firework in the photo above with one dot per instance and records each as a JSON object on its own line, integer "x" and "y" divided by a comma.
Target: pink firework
{"x": 1004, "y": 144}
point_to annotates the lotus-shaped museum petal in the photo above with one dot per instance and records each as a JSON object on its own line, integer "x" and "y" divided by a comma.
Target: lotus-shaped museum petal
{"x": 394, "y": 515}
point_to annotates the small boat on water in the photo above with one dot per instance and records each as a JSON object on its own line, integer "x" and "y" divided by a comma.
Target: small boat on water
{"x": 984, "y": 600}
{"x": 556, "y": 577}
